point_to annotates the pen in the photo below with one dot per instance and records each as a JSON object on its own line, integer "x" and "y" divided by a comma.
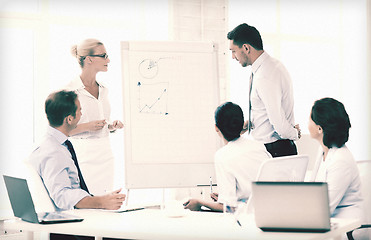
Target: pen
{"x": 211, "y": 185}
{"x": 238, "y": 222}
{"x": 131, "y": 210}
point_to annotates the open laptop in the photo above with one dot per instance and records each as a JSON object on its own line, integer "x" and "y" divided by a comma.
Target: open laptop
{"x": 23, "y": 206}
{"x": 291, "y": 206}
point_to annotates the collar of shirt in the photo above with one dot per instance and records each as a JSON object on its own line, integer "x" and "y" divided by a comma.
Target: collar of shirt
{"x": 235, "y": 141}
{"x": 78, "y": 84}
{"x": 331, "y": 152}
{"x": 258, "y": 62}
{"x": 58, "y": 135}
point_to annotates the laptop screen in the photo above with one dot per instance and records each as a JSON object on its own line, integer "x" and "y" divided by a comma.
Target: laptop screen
{"x": 291, "y": 206}
{"x": 20, "y": 199}
{"x": 23, "y": 206}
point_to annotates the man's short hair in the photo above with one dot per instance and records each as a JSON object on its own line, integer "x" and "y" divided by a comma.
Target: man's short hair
{"x": 245, "y": 33}
{"x": 59, "y": 105}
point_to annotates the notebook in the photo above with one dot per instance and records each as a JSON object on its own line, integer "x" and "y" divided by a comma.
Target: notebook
{"x": 23, "y": 206}
{"x": 291, "y": 206}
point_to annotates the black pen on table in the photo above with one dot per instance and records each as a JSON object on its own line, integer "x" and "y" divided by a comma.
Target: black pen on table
{"x": 211, "y": 185}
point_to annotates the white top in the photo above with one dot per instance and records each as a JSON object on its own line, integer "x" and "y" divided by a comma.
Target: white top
{"x": 340, "y": 171}
{"x": 236, "y": 165}
{"x": 91, "y": 108}
{"x": 272, "y": 101}
{"x": 53, "y": 162}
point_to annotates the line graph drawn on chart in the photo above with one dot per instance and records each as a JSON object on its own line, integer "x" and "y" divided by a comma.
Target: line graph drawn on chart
{"x": 153, "y": 97}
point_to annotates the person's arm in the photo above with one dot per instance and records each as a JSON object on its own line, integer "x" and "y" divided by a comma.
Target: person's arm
{"x": 112, "y": 201}
{"x": 89, "y": 126}
{"x": 225, "y": 178}
{"x": 55, "y": 171}
{"x": 67, "y": 194}
{"x": 271, "y": 91}
{"x": 339, "y": 176}
{"x": 196, "y": 204}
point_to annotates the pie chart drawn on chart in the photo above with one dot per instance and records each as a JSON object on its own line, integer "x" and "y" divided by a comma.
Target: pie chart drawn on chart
{"x": 148, "y": 68}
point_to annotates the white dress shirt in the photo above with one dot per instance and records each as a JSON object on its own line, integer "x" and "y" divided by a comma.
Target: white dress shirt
{"x": 54, "y": 163}
{"x": 92, "y": 108}
{"x": 272, "y": 101}
{"x": 340, "y": 172}
{"x": 93, "y": 148}
{"x": 236, "y": 165}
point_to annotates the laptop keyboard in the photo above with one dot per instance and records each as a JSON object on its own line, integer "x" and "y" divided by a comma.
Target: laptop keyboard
{"x": 52, "y": 215}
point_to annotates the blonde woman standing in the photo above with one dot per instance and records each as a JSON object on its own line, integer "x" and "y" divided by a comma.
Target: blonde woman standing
{"x": 91, "y": 136}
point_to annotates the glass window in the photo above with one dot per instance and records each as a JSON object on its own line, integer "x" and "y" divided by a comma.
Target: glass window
{"x": 16, "y": 99}
{"x": 20, "y": 6}
{"x": 261, "y": 14}
{"x": 311, "y": 17}
{"x": 16, "y": 124}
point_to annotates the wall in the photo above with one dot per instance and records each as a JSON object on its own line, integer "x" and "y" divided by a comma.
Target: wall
{"x": 203, "y": 20}
{"x": 369, "y": 71}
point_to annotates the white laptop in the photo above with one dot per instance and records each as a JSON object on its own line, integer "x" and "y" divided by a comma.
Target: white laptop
{"x": 291, "y": 206}
{"x": 23, "y": 206}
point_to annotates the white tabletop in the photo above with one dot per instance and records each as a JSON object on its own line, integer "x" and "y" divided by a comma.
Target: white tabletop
{"x": 156, "y": 224}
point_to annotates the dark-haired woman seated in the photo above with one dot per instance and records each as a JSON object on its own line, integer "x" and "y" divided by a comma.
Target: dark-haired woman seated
{"x": 329, "y": 124}
{"x": 236, "y": 164}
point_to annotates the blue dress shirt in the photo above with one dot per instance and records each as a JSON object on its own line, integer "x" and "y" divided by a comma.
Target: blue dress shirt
{"x": 53, "y": 162}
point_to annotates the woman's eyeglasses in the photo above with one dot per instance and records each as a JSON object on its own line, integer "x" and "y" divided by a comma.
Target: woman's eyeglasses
{"x": 104, "y": 55}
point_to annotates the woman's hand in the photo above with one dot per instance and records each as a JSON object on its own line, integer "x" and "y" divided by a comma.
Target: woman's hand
{"x": 193, "y": 205}
{"x": 115, "y": 125}
{"x": 95, "y": 125}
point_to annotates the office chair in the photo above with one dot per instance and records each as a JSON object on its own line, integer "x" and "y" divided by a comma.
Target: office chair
{"x": 364, "y": 168}
{"x": 282, "y": 169}
{"x": 288, "y": 168}
{"x": 308, "y": 146}
{"x": 40, "y": 195}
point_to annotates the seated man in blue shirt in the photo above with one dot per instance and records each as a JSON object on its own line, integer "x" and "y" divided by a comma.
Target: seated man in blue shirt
{"x": 54, "y": 162}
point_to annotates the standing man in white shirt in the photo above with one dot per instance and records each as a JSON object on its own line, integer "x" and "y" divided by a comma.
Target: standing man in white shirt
{"x": 271, "y": 100}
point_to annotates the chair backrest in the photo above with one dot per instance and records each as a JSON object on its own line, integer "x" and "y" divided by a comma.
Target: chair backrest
{"x": 288, "y": 168}
{"x": 40, "y": 195}
{"x": 281, "y": 169}
{"x": 364, "y": 168}
{"x": 308, "y": 146}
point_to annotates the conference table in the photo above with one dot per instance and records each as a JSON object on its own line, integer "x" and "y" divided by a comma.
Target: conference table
{"x": 159, "y": 224}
